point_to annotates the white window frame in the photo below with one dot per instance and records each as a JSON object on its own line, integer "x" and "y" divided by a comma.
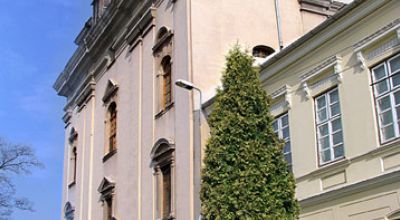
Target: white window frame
{"x": 279, "y": 132}
{"x": 390, "y": 92}
{"x": 328, "y": 121}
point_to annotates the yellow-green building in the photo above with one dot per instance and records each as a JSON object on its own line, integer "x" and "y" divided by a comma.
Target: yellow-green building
{"x": 336, "y": 97}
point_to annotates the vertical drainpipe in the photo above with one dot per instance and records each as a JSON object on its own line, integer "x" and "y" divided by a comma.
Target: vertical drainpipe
{"x": 278, "y": 24}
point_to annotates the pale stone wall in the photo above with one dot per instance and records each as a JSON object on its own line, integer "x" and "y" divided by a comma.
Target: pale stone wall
{"x": 203, "y": 32}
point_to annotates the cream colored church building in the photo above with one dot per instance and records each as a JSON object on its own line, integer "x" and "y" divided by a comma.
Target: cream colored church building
{"x": 133, "y": 141}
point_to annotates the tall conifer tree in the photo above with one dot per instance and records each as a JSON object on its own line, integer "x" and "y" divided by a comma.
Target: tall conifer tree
{"x": 245, "y": 175}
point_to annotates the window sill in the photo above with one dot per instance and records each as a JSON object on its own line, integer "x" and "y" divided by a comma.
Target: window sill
{"x": 170, "y": 217}
{"x": 385, "y": 147}
{"x": 71, "y": 184}
{"x": 109, "y": 155}
{"x": 326, "y": 169}
{"x": 164, "y": 110}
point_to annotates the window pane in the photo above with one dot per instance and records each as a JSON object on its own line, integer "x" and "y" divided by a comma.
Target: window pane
{"x": 338, "y": 151}
{"x": 386, "y": 118}
{"x": 275, "y": 126}
{"x": 379, "y": 72}
{"x": 398, "y": 112}
{"x": 384, "y": 103}
{"x": 381, "y": 87}
{"x": 285, "y": 133}
{"x": 321, "y": 102}
{"x": 286, "y": 148}
{"x": 397, "y": 97}
{"x": 388, "y": 132}
{"x": 396, "y": 80}
{"x": 395, "y": 64}
{"x": 322, "y": 115}
{"x": 285, "y": 121}
{"x": 334, "y": 96}
{"x": 288, "y": 158}
{"x": 337, "y": 138}
{"x": 323, "y": 130}
{"x": 326, "y": 156}
{"x": 324, "y": 142}
{"x": 336, "y": 125}
{"x": 335, "y": 109}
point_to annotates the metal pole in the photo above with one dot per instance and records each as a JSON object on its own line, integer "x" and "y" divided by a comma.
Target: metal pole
{"x": 278, "y": 24}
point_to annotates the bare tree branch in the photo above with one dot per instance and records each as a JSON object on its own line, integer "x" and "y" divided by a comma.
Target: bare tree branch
{"x": 15, "y": 159}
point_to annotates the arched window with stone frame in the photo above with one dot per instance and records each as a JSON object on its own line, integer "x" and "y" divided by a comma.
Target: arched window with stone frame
{"x": 162, "y": 52}
{"x": 110, "y": 100}
{"x": 163, "y": 165}
{"x": 111, "y": 128}
{"x": 166, "y": 66}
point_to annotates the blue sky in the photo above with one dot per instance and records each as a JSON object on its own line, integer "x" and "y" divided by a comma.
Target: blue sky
{"x": 36, "y": 41}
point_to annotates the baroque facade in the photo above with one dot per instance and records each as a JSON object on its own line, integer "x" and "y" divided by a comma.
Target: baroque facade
{"x": 132, "y": 146}
{"x": 335, "y": 95}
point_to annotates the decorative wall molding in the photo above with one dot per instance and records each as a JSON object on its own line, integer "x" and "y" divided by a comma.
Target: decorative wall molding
{"x": 283, "y": 91}
{"x": 86, "y": 92}
{"x": 374, "y": 38}
{"x": 361, "y": 60}
{"x": 332, "y": 62}
{"x": 67, "y": 116}
{"x": 383, "y": 48}
{"x": 165, "y": 38}
{"x": 393, "y": 26}
{"x": 111, "y": 89}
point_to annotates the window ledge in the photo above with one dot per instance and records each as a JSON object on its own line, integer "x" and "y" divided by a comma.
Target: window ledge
{"x": 109, "y": 155}
{"x": 164, "y": 110}
{"x": 170, "y": 217}
{"x": 385, "y": 147}
{"x": 326, "y": 168}
{"x": 71, "y": 184}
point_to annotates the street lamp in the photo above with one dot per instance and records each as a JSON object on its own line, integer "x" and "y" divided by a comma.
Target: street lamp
{"x": 189, "y": 86}
{"x": 197, "y": 140}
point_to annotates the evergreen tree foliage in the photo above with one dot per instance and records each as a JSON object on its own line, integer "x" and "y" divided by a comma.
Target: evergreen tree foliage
{"x": 245, "y": 175}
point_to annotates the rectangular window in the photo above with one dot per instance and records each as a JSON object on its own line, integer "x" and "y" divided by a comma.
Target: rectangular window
{"x": 166, "y": 194}
{"x": 329, "y": 127}
{"x": 113, "y": 131}
{"x": 386, "y": 85}
{"x": 281, "y": 128}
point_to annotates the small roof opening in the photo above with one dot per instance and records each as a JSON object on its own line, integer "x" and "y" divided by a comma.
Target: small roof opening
{"x": 262, "y": 51}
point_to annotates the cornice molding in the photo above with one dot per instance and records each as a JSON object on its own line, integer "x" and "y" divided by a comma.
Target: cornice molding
{"x": 318, "y": 36}
{"x": 391, "y": 27}
{"x": 86, "y": 92}
{"x": 101, "y": 38}
{"x": 321, "y": 7}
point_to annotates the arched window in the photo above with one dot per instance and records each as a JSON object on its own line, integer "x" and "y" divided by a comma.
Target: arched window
{"x": 163, "y": 164}
{"x": 162, "y": 33}
{"x": 167, "y": 81}
{"x": 262, "y": 51}
{"x": 73, "y": 140}
{"x": 112, "y": 128}
{"x": 74, "y": 161}
{"x": 69, "y": 211}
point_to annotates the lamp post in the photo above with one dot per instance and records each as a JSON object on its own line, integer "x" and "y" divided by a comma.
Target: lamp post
{"x": 197, "y": 140}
